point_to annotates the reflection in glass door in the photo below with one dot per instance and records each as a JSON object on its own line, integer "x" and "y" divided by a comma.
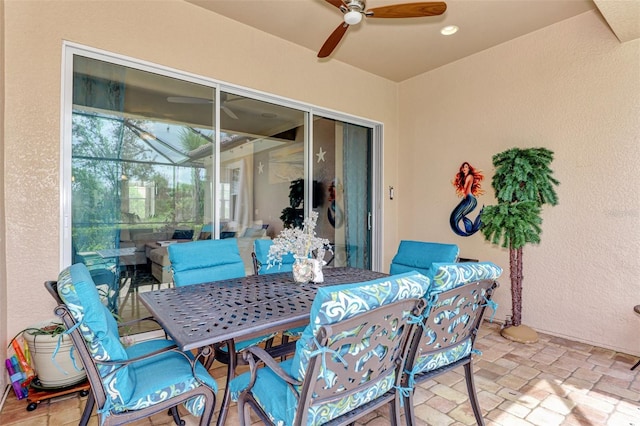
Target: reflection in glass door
{"x": 141, "y": 157}
{"x": 342, "y": 189}
{"x": 261, "y": 155}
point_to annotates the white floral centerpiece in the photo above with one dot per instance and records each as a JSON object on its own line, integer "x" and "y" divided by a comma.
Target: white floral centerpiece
{"x": 303, "y": 244}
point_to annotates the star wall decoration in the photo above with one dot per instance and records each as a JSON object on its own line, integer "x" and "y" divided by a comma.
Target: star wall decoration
{"x": 260, "y": 168}
{"x": 321, "y": 154}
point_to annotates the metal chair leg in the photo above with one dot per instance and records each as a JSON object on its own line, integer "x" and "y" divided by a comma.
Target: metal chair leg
{"x": 409, "y": 413}
{"x": 473, "y": 396}
{"x": 88, "y": 409}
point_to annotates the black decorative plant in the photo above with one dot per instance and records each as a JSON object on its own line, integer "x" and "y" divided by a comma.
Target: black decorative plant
{"x": 523, "y": 183}
{"x": 293, "y": 216}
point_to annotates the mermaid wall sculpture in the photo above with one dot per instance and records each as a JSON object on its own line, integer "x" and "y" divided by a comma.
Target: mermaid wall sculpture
{"x": 467, "y": 184}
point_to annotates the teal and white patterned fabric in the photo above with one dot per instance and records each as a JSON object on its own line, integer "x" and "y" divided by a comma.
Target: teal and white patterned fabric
{"x": 445, "y": 276}
{"x": 448, "y": 276}
{"x": 142, "y": 383}
{"x": 331, "y": 305}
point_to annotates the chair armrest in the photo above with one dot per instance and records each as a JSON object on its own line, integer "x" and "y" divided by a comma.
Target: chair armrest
{"x": 253, "y": 352}
{"x": 122, "y": 363}
{"x": 256, "y": 353}
{"x": 173, "y": 348}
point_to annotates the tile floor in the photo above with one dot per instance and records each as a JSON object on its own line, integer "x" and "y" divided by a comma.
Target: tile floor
{"x": 552, "y": 382}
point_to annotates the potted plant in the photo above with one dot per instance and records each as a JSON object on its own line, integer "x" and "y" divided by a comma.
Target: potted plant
{"x": 523, "y": 183}
{"x": 51, "y": 355}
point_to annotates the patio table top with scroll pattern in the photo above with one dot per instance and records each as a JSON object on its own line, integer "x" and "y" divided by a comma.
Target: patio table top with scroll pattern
{"x": 199, "y": 315}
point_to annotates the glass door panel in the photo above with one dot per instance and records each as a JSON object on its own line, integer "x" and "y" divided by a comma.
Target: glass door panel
{"x": 141, "y": 163}
{"x": 261, "y": 154}
{"x": 342, "y": 189}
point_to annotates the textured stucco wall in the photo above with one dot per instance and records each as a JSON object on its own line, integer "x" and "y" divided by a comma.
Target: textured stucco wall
{"x": 168, "y": 32}
{"x": 3, "y": 269}
{"x": 575, "y": 89}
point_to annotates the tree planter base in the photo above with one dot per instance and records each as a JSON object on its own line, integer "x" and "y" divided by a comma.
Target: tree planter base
{"x": 520, "y": 334}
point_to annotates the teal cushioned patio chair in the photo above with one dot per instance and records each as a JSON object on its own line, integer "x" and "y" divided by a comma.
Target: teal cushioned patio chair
{"x": 214, "y": 260}
{"x": 419, "y": 255}
{"x": 127, "y": 383}
{"x": 348, "y": 361}
{"x": 456, "y": 301}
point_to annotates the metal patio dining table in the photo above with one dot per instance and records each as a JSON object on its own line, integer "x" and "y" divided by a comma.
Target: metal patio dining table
{"x": 198, "y": 316}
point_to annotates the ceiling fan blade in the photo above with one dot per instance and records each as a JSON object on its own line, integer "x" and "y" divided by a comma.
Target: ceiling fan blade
{"x": 230, "y": 113}
{"x": 333, "y": 40}
{"x": 336, "y": 3}
{"x": 408, "y": 10}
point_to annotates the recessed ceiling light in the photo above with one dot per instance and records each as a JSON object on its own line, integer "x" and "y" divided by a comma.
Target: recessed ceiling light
{"x": 449, "y": 30}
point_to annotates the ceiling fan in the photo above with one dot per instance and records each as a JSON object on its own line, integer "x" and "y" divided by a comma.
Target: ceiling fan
{"x": 354, "y": 10}
{"x": 195, "y": 101}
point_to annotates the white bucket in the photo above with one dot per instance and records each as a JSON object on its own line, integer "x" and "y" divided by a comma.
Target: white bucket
{"x": 53, "y": 372}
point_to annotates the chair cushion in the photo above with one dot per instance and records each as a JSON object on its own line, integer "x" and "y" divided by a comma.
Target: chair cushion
{"x": 98, "y": 327}
{"x": 271, "y": 392}
{"x": 152, "y": 388}
{"x": 261, "y": 249}
{"x": 207, "y": 260}
{"x": 444, "y": 277}
{"x": 419, "y": 255}
{"x": 447, "y": 276}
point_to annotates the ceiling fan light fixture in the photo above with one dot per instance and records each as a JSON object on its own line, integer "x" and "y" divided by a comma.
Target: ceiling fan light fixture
{"x": 354, "y": 10}
{"x": 449, "y": 30}
{"x": 352, "y": 17}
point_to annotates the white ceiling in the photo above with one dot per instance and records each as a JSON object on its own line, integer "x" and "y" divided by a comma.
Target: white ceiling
{"x": 398, "y": 49}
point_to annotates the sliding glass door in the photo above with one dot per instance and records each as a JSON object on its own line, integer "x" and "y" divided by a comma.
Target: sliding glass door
{"x": 152, "y": 157}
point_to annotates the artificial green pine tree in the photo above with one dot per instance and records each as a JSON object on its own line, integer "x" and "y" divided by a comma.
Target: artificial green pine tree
{"x": 522, "y": 182}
